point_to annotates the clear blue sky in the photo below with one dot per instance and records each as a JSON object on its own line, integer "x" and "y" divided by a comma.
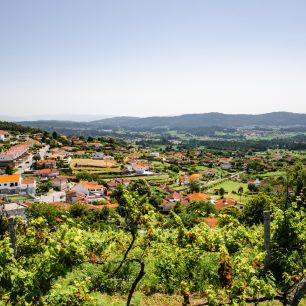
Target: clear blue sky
{"x": 155, "y": 57}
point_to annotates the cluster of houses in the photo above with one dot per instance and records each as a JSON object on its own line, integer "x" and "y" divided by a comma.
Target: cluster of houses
{"x": 175, "y": 197}
{"x": 135, "y": 162}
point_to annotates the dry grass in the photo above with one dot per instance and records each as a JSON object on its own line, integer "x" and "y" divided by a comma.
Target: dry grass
{"x": 81, "y": 163}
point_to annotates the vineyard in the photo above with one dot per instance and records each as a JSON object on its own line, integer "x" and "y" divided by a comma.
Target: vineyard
{"x": 75, "y": 256}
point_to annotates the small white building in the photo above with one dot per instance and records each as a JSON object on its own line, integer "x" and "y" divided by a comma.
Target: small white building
{"x": 14, "y": 184}
{"x": 90, "y": 189}
{"x": 154, "y": 154}
{"x": 138, "y": 167}
{"x": 98, "y": 155}
{"x": 225, "y": 165}
{"x": 108, "y": 157}
{"x": 23, "y": 137}
{"x": 10, "y": 184}
{"x": 28, "y": 186}
{"x": 4, "y": 135}
{"x": 13, "y": 153}
{"x": 59, "y": 183}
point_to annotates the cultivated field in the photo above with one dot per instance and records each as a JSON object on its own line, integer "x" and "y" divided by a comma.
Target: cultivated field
{"x": 92, "y": 163}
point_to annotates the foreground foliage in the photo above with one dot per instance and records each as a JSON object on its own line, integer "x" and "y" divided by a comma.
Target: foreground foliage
{"x": 71, "y": 260}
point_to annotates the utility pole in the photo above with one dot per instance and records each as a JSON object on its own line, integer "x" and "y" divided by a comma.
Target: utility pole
{"x": 267, "y": 238}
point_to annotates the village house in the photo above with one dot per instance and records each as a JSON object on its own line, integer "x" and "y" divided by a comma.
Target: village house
{"x": 209, "y": 173}
{"x": 58, "y": 156}
{"x": 131, "y": 157}
{"x": 38, "y": 136}
{"x": 118, "y": 181}
{"x": 32, "y": 143}
{"x": 140, "y": 167}
{"x": 68, "y": 148}
{"x": 223, "y": 203}
{"x": 171, "y": 200}
{"x": 96, "y": 145}
{"x": 92, "y": 190}
{"x": 174, "y": 197}
{"x": 75, "y": 197}
{"x": 197, "y": 196}
{"x": 46, "y": 163}
{"x": 60, "y": 183}
{"x": 108, "y": 157}
{"x": 47, "y": 173}
{"x": 4, "y": 135}
{"x": 98, "y": 155}
{"x": 185, "y": 179}
{"x": 154, "y": 154}
{"x": 14, "y": 184}
{"x": 195, "y": 177}
{"x": 28, "y": 186}
{"x": 10, "y": 156}
{"x": 23, "y": 136}
{"x": 225, "y": 163}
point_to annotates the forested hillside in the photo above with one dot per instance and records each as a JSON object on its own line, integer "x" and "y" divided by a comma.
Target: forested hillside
{"x": 10, "y": 126}
{"x": 188, "y": 122}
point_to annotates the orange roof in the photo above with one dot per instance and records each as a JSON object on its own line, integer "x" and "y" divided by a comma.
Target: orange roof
{"x": 27, "y": 182}
{"x": 194, "y": 177}
{"x": 198, "y": 196}
{"x": 10, "y": 178}
{"x": 44, "y": 161}
{"x": 46, "y": 171}
{"x": 140, "y": 165}
{"x": 95, "y": 187}
{"x": 174, "y": 195}
{"x": 91, "y": 185}
{"x": 222, "y": 203}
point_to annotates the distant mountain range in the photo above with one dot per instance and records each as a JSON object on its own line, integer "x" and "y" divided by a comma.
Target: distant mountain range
{"x": 184, "y": 122}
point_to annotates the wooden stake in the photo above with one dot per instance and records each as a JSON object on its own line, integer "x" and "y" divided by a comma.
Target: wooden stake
{"x": 12, "y": 232}
{"x": 267, "y": 238}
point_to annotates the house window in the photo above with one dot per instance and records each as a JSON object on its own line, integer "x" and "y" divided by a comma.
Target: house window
{"x": 16, "y": 184}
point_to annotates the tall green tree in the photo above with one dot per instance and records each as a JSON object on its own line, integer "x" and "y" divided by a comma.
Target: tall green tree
{"x": 254, "y": 208}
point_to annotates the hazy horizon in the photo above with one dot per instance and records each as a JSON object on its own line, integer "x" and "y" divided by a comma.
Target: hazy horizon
{"x": 151, "y": 58}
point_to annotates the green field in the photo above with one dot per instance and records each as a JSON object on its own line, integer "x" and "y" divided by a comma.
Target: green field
{"x": 273, "y": 174}
{"x": 18, "y": 198}
{"x": 229, "y": 186}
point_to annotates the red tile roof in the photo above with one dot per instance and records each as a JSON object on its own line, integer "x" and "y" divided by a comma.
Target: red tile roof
{"x": 198, "y": 196}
